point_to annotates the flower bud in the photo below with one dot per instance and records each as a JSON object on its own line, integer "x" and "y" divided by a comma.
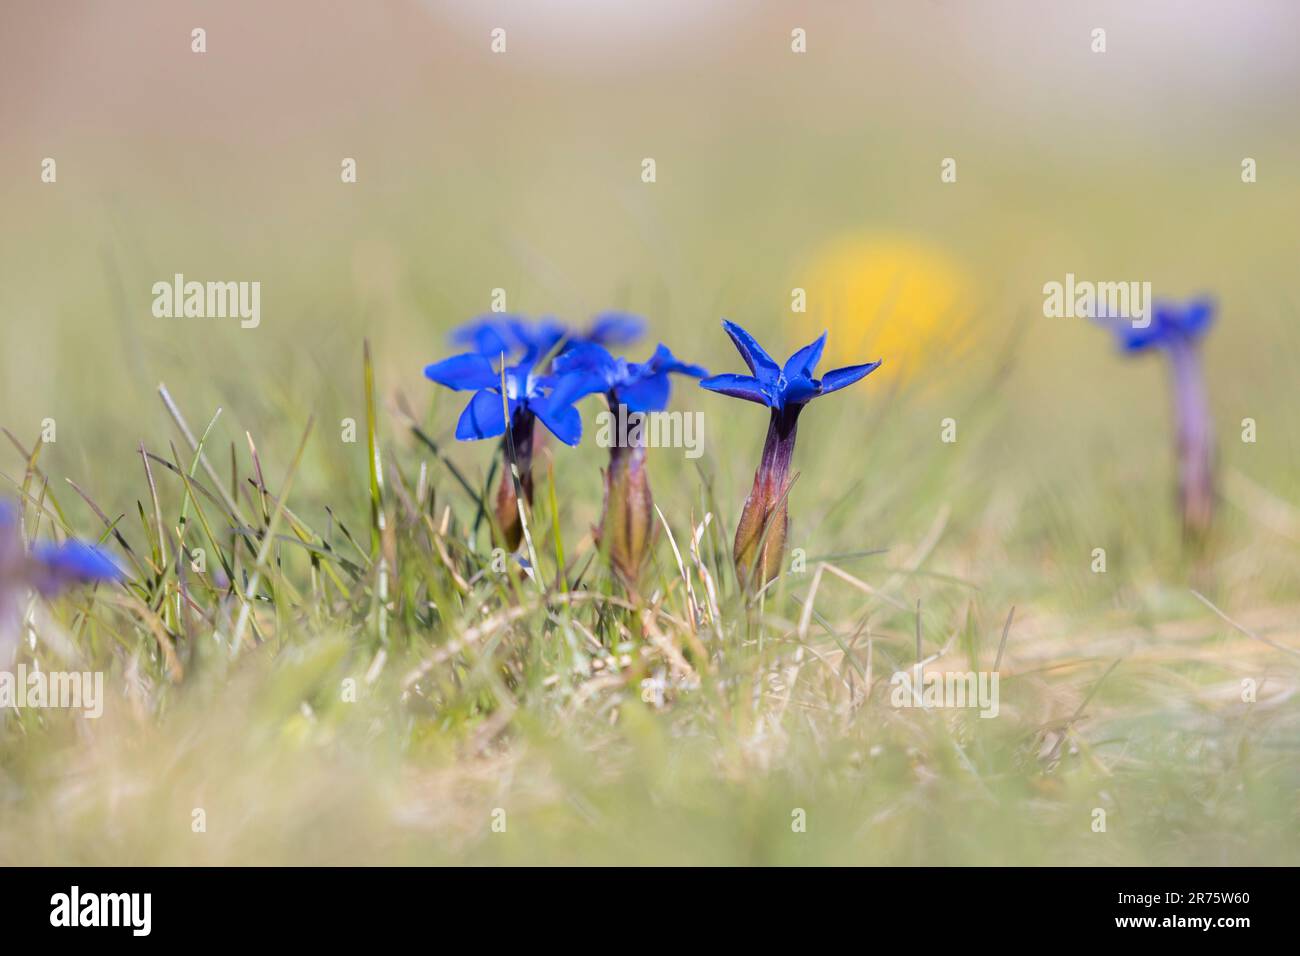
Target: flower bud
{"x": 627, "y": 524}
{"x": 765, "y": 506}
{"x": 758, "y": 558}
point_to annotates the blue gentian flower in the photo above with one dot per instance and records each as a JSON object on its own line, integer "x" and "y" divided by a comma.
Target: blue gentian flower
{"x": 785, "y": 389}
{"x": 1171, "y": 323}
{"x": 526, "y": 396}
{"x": 1177, "y": 330}
{"x": 526, "y": 400}
{"x": 777, "y": 386}
{"x": 48, "y": 568}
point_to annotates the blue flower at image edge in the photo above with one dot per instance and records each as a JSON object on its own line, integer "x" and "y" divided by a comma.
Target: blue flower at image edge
{"x": 779, "y": 386}
{"x": 640, "y": 386}
{"x": 525, "y": 393}
{"x": 49, "y": 567}
{"x": 72, "y": 562}
{"x": 1172, "y": 323}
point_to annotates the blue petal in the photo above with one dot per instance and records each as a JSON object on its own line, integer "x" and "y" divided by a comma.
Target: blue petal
{"x": 483, "y": 417}
{"x": 463, "y": 373}
{"x": 541, "y": 336}
{"x": 804, "y": 362}
{"x": 648, "y": 394}
{"x": 616, "y": 328}
{"x": 1199, "y": 317}
{"x": 1170, "y": 322}
{"x": 8, "y": 515}
{"x": 563, "y": 420}
{"x": 1136, "y": 340}
{"x": 738, "y": 386}
{"x": 571, "y": 386}
{"x": 1190, "y": 320}
{"x": 760, "y": 363}
{"x": 664, "y": 361}
{"x": 583, "y": 356}
{"x": 799, "y": 390}
{"x": 835, "y": 380}
{"x": 488, "y": 334}
{"x": 1126, "y": 336}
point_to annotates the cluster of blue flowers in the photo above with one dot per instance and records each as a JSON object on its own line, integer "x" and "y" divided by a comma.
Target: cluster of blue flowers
{"x": 523, "y": 372}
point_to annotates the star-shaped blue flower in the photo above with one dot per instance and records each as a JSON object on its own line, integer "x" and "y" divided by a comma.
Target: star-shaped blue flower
{"x": 585, "y": 368}
{"x": 785, "y": 389}
{"x": 779, "y": 386}
{"x": 1171, "y": 324}
{"x": 526, "y": 394}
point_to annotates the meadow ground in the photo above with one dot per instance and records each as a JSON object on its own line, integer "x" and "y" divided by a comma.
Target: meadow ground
{"x": 348, "y": 679}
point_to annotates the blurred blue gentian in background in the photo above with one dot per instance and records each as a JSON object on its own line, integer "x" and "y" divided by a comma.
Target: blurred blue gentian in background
{"x": 1177, "y": 329}
{"x": 49, "y": 568}
{"x": 497, "y": 333}
{"x": 1172, "y": 324}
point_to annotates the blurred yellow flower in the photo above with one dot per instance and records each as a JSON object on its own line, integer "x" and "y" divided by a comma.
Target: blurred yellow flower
{"x": 885, "y": 298}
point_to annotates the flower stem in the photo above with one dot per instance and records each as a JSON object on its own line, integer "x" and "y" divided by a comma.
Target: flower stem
{"x": 627, "y": 519}
{"x": 518, "y": 443}
{"x": 758, "y": 557}
{"x": 1195, "y": 440}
